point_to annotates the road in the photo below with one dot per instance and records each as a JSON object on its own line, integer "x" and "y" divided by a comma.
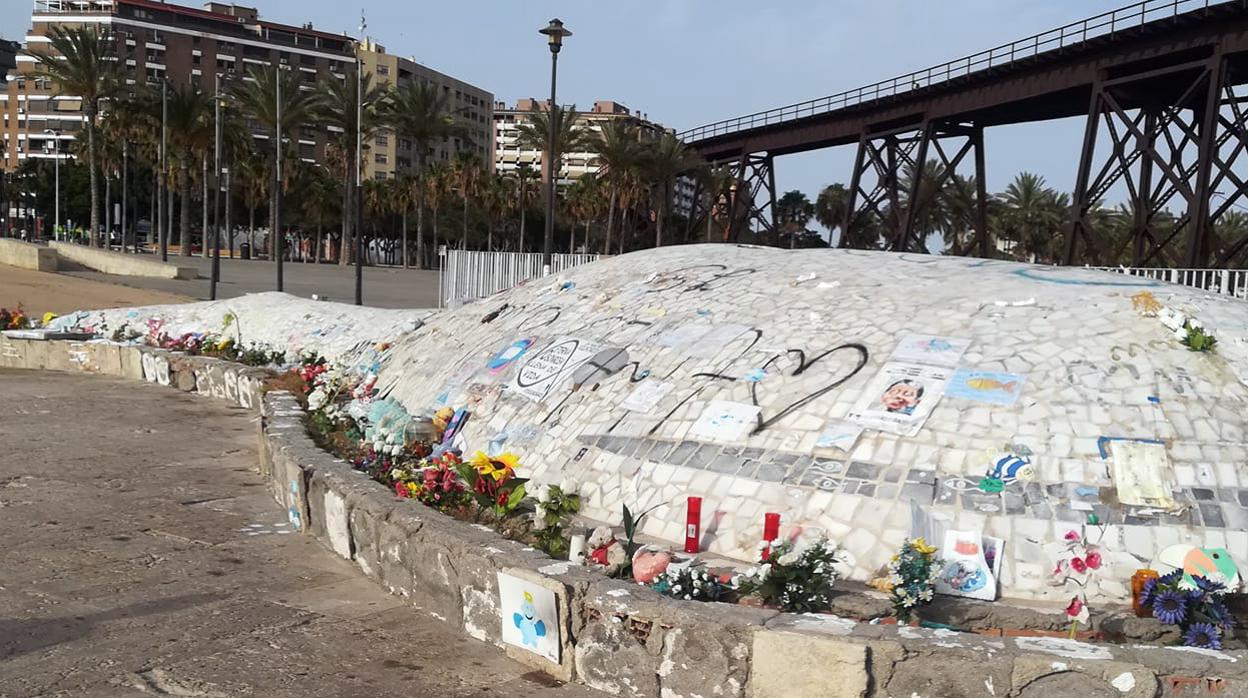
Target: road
{"x": 135, "y": 561}
{"x": 384, "y": 287}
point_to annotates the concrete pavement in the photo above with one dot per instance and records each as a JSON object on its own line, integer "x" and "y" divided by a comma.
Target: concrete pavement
{"x": 384, "y": 287}
{"x": 137, "y": 560}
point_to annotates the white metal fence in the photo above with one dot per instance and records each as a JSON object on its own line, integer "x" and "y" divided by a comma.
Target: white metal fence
{"x": 468, "y": 275}
{"x": 1229, "y": 282}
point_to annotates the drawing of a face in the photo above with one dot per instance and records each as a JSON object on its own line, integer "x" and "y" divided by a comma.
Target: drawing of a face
{"x": 902, "y": 396}
{"x": 527, "y": 609}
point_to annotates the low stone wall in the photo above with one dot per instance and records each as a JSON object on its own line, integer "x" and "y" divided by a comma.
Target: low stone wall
{"x": 621, "y": 638}
{"x": 121, "y": 264}
{"x": 25, "y": 255}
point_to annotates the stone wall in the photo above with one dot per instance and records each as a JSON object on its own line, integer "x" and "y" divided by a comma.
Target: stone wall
{"x": 25, "y": 255}
{"x": 620, "y": 638}
{"x": 122, "y": 264}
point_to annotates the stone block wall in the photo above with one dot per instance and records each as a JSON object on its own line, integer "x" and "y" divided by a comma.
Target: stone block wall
{"x": 621, "y": 638}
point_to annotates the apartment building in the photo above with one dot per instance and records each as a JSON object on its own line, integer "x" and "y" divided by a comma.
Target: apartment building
{"x": 471, "y": 107}
{"x": 509, "y": 154}
{"x": 157, "y": 40}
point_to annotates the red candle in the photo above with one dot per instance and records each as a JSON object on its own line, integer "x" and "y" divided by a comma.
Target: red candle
{"x": 771, "y": 531}
{"x": 693, "y": 524}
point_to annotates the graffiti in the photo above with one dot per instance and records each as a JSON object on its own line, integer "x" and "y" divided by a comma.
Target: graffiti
{"x": 719, "y": 374}
{"x": 802, "y": 366}
{"x": 155, "y": 369}
{"x": 547, "y": 316}
{"x": 1050, "y": 276}
{"x": 1087, "y": 368}
{"x": 676, "y": 278}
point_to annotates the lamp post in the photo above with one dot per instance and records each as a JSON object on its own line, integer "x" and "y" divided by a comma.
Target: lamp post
{"x": 216, "y": 195}
{"x": 164, "y": 209}
{"x": 554, "y": 33}
{"x": 359, "y": 167}
{"x": 56, "y": 159}
{"x": 277, "y": 248}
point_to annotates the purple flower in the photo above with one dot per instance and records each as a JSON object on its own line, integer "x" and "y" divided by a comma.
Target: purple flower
{"x": 1202, "y": 635}
{"x": 1170, "y": 607}
{"x": 1147, "y": 591}
{"x": 1208, "y": 585}
{"x": 1169, "y": 580}
{"x": 1217, "y": 611}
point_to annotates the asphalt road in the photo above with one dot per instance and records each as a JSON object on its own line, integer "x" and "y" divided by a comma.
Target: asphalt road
{"x": 384, "y": 287}
{"x": 136, "y": 560}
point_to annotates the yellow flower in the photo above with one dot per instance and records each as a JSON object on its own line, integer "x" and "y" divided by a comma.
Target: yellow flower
{"x": 482, "y": 463}
{"x": 922, "y": 546}
{"x": 414, "y": 489}
{"x": 498, "y": 468}
{"x": 48, "y": 317}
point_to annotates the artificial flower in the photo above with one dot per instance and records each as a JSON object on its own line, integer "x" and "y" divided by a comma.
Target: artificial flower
{"x": 1072, "y": 536}
{"x": 1093, "y": 559}
{"x": 1170, "y": 607}
{"x": 1077, "y": 564}
{"x": 1203, "y": 635}
{"x": 922, "y": 546}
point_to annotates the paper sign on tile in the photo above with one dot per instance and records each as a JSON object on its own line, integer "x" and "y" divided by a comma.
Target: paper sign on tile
{"x": 530, "y": 616}
{"x": 900, "y": 397}
{"x": 725, "y": 421}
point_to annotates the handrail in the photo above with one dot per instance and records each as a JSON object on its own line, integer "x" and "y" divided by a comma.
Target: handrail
{"x": 1105, "y": 24}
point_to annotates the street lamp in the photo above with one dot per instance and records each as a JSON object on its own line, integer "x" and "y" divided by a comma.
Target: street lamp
{"x": 554, "y": 33}
{"x": 359, "y": 165}
{"x": 56, "y": 158}
{"x": 216, "y": 196}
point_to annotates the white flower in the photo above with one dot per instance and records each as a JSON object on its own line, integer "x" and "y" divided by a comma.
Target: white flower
{"x": 789, "y": 558}
{"x": 1180, "y": 334}
{"x": 764, "y": 570}
{"x": 763, "y": 545}
{"x": 1194, "y": 323}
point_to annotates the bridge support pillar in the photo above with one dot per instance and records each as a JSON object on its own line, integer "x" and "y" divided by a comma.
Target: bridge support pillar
{"x": 1173, "y": 136}
{"x": 751, "y": 198}
{"x": 882, "y": 215}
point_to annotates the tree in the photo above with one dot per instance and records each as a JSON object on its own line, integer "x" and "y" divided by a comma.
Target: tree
{"x": 83, "y": 63}
{"x": 1032, "y": 215}
{"x": 718, "y": 183}
{"x": 830, "y": 208}
{"x": 256, "y": 96}
{"x": 793, "y": 212}
{"x": 435, "y": 190}
{"x": 255, "y": 178}
{"x": 466, "y": 174}
{"x": 524, "y": 175}
{"x": 497, "y": 199}
{"x": 336, "y": 106}
{"x": 319, "y": 192}
{"x": 190, "y": 136}
{"x": 662, "y": 162}
{"x": 535, "y": 133}
{"x": 419, "y": 113}
{"x": 617, "y": 148}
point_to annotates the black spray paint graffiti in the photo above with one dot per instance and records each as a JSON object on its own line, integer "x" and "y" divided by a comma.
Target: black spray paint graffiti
{"x": 689, "y": 277}
{"x": 802, "y": 365}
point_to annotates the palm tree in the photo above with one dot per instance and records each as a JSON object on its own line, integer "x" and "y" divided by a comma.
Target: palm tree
{"x": 190, "y": 137}
{"x": 405, "y": 191}
{"x": 524, "y": 195}
{"x": 585, "y": 203}
{"x": 319, "y": 191}
{"x": 663, "y": 161}
{"x": 256, "y": 96}
{"x": 336, "y": 107}
{"x": 1032, "y": 216}
{"x": 535, "y": 133}
{"x": 617, "y": 149}
{"x": 718, "y": 182}
{"x": 83, "y": 63}
{"x": 255, "y": 177}
{"x": 792, "y": 212}
{"x": 830, "y": 208}
{"x": 419, "y": 113}
{"x": 497, "y": 198}
{"x": 931, "y": 200}
{"x": 466, "y": 173}
{"x": 437, "y": 187}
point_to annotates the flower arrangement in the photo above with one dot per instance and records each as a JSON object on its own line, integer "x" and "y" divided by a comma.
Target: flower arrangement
{"x": 492, "y": 482}
{"x": 14, "y": 319}
{"x": 1199, "y": 612}
{"x": 554, "y": 508}
{"x": 798, "y": 579}
{"x": 1077, "y": 565}
{"x": 912, "y": 576}
{"x": 691, "y": 584}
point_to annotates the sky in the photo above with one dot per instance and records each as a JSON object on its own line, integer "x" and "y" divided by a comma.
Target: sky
{"x": 689, "y": 62}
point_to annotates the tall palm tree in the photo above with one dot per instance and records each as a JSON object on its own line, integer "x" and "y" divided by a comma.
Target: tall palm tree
{"x": 1032, "y": 215}
{"x": 663, "y": 161}
{"x": 718, "y": 182}
{"x": 535, "y": 133}
{"x": 406, "y": 191}
{"x": 256, "y": 96}
{"x": 496, "y": 198}
{"x": 792, "y": 212}
{"x": 466, "y": 173}
{"x": 419, "y": 113}
{"x": 319, "y": 190}
{"x": 525, "y": 192}
{"x": 83, "y": 63}
{"x": 434, "y": 192}
{"x": 830, "y": 208}
{"x": 617, "y": 149}
{"x": 190, "y": 137}
{"x": 336, "y": 106}
{"x": 255, "y": 178}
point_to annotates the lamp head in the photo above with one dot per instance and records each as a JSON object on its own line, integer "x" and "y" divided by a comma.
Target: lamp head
{"x": 554, "y": 34}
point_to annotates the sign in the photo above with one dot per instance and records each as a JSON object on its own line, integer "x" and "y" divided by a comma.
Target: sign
{"x": 530, "y": 616}
{"x": 508, "y": 355}
{"x": 646, "y": 395}
{"x": 986, "y": 386}
{"x": 972, "y": 565}
{"x": 900, "y": 397}
{"x": 930, "y": 349}
{"x": 550, "y": 366}
{"x": 725, "y": 421}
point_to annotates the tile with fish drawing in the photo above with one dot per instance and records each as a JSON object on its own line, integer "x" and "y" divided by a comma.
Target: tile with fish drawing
{"x": 986, "y": 386}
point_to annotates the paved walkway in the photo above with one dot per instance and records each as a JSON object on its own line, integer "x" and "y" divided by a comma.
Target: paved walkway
{"x": 39, "y": 292}
{"x": 384, "y": 287}
{"x": 137, "y": 561}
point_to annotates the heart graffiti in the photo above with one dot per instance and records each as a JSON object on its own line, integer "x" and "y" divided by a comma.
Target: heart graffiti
{"x": 802, "y": 365}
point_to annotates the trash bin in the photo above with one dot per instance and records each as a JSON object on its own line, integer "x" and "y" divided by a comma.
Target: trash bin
{"x": 244, "y": 250}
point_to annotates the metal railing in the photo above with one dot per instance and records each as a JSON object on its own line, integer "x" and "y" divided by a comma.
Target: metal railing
{"x": 467, "y": 275}
{"x": 1106, "y": 24}
{"x": 1227, "y": 282}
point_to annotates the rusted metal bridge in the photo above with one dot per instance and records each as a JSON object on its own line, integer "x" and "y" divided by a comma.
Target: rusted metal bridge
{"x": 1161, "y": 84}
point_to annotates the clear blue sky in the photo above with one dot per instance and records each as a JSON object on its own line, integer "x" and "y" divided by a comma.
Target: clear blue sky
{"x": 687, "y": 62}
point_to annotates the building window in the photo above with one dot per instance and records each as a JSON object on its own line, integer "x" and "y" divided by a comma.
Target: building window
{"x": 383, "y": 70}
{"x": 382, "y": 140}
{"x": 379, "y": 176}
{"x": 380, "y": 158}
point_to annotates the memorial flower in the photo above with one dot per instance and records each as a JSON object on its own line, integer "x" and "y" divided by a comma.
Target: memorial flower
{"x": 801, "y": 586}
{"x": 1196, "y": 607}
{"x": 493, "y": 482}
{"x": 911, "y": 580}
{"x": 1169, "y": 607}
{"x": 1075, "y": 566}
{"x": 1203, "y": 635}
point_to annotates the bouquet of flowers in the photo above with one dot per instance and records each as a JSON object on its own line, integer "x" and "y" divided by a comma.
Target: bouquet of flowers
{"x": 1077, "y": 565}
{"x": 797, "y": 579}
{"x": 1199, "y": 612}
{"x": 691, "y": 584}
{"x": 13, "y": 319}
{"x": 440, "y": 483}
{"x": 493, "y": 483}
{"x": 912, "y": 576}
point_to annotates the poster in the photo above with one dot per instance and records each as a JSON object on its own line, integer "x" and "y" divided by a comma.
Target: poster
{"x": 646, "y": 395}
{"x": 900, "y": 397}
{"x": 972, "y": 565}
{"x": 839, "y": 434}
{"x": 508, "y": 355}
{"x": 986, "y": 386}
{"x": 725, "y": 421}
{"x": 929, "y": 349}
{"x": 530, "y": 616}
{"x": 1141, "y": 473}
{"x": 549, "y": 366}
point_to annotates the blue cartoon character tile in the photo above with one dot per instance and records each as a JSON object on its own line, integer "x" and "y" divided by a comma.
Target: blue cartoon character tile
{"x": 531, "y": 628}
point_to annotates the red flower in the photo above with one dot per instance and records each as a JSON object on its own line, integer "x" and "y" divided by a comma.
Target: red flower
{"x": 502, "y": 498}
{"x": 400, "y": 490}
{"x": 1094, "y": 560}
{"x": 1058, "y": 569}
{"x": 1072, "y": 536}
{"x": 1075, "y": 607}
{"x": 1078, "y": 565}
{"x": 479, "y": 486}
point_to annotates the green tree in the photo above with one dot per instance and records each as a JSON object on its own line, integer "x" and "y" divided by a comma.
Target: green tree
{"x": 83, "y": 63}
{"x": 336, "y": 106}
{"x": 1032, "y": 216}
{"x": 419, "y": 113}
{"x": 663, "y": 161}
{"x": 190, "y": 137}
{"x": 525, "y": 192}
{"x": 617, "y": 148}
{"x": 793, "y": 211}
{"x": 830, "y": 208}
{"x": 535, "y": 133}
{"x": 467, "y": 174}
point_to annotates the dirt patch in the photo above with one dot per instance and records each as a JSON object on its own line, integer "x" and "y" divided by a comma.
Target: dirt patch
{"x": 39, "y": 292}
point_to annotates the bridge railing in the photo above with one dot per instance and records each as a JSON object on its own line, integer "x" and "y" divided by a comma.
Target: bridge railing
{"x": 1105, "y": 24}
{"x": 467, "y": 275}
{"x": 1226, "y": 282}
